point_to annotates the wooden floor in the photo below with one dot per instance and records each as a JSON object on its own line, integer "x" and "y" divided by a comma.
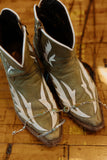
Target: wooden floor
{"x": 89, "y": 18}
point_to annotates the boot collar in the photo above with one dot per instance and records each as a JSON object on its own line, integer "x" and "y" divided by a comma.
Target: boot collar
{"x": 39, "y": 26}
{"x": 28, "y": 56}
{"x": 10, "y": 58}
{"x": 52, "y": 50}
{"x": 8, "y": 9}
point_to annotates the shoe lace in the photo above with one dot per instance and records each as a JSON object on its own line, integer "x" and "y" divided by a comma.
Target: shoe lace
{"x": 91, "y": 101}
{"x": 65, "y": 109}
{"x": 38, "y": 115}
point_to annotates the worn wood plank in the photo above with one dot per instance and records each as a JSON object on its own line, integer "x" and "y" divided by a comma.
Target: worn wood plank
{"x": 6, "y": 103}
{"x": 3, "y": 148}
{"x": 85, "y": 140}
{"x": 20, "y": 151}
{"x": 72, "y": 134}
{"x": 68, "y": 137}
{"x": 87, "y": 153}
{"x": 90, "y": 26}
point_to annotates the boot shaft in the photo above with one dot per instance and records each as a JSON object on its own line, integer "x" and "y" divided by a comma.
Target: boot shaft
{"x": 54, "y": 37}
{"x": 16, "y": 52}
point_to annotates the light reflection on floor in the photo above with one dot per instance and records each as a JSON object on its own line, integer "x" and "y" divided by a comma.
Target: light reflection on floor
{"x": 102, "y": 71}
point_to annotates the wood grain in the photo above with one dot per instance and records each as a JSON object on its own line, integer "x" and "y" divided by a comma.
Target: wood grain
{"x": 87, "y": 153}
{"x": 20, "y": 151}
{"x": 90, "y": 25}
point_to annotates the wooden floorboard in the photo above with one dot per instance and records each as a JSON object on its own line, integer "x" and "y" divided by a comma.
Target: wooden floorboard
{"x": 87, "y": 153}
{"x": 89, "y": 18}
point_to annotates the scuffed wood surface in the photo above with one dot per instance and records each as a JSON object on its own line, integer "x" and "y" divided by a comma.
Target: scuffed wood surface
{"x": 89, "y": 18}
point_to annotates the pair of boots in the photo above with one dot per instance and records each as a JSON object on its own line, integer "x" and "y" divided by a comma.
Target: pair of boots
{"x": 59, "y": 84}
